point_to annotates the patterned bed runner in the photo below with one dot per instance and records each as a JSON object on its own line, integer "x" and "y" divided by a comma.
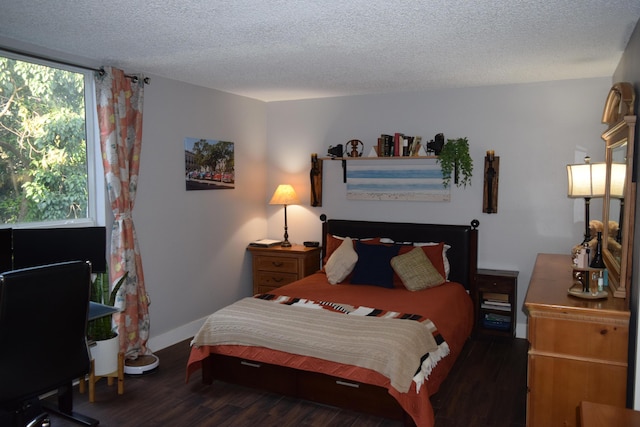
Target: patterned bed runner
{"x": 428, "y": 361}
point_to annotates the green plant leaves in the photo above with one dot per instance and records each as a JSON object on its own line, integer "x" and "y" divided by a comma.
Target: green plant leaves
{"x": 456, "y": 163}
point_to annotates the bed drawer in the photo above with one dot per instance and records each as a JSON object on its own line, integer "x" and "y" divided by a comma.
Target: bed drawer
{"x": 276, "y": 263}
{"x": 253, "y": 374}
{"x": 346, "y": 393}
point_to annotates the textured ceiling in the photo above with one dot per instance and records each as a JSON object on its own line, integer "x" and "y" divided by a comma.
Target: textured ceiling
{"x": 293, "y": 49}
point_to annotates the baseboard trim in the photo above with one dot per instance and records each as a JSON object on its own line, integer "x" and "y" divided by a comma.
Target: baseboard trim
{"x": 174, "y": 336}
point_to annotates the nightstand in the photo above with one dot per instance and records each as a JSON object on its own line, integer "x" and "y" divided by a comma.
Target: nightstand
{"x": 277, "y": 266}
{"x": 495, "y": 302}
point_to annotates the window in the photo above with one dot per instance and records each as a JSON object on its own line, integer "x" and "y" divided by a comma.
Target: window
{"x": 48, "y": 163}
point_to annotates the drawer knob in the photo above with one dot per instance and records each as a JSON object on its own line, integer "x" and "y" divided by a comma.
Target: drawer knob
{"x": 604, "y": 332}
{"x": 277, "y": 279}
{"x": 277, "y": 263}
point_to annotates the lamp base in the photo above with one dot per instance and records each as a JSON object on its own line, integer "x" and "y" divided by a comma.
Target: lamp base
{"x": 285, "y": 244}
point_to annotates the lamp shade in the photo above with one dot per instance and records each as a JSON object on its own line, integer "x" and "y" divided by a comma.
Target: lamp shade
{"x": 586, "y": 180}
{"x": 284, "y": 195}
{"x": 618, "y": 177}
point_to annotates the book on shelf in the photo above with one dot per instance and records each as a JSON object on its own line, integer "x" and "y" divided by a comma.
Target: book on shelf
{"x": 265, "y": 243}
{"x": 495, "y": 296}
{"x": 502, "y": 326}
{"x": 387, "y": 145}
{"x": 490, "y": 306}
{"x": 494, "y": 302}
{"x": 496, "y": 321}
{"x": 399, "y": 145}
{"x": 494, "y": 317}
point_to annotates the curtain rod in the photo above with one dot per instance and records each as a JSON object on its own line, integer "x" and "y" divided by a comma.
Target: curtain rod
{"x": 100, "y": 70}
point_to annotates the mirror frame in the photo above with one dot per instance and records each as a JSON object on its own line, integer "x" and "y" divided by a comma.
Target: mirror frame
{"x": 618, "y": 114}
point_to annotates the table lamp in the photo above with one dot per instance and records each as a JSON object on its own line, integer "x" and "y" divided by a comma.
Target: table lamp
{"x": 285, "y": 195}
{"x": 586, "y": 180}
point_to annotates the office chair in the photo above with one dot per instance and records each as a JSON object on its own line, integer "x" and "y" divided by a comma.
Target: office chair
{"x": 43, "y": 345}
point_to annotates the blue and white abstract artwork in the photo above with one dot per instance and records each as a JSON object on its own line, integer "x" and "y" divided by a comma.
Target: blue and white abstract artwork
{"x": 396, "y": 182}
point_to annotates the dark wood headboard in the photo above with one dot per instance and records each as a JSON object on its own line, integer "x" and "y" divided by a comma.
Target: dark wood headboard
{"x": 463, "y": 239}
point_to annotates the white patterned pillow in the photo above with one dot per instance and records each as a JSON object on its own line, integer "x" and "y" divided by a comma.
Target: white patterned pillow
{"x": 341, "y": 262}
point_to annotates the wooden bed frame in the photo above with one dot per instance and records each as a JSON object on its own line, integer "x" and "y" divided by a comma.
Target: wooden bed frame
{"x": 329, "y": 390}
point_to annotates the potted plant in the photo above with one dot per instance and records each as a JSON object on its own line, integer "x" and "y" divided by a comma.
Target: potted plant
{"x": 105, "y": 350}
{"x": 454, "y": 159}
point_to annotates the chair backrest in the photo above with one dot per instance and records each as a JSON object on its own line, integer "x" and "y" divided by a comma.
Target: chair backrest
{"x": 43, "y": 321}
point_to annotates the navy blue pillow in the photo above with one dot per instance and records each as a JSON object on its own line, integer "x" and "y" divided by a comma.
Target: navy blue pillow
{"x": 374, "y": 265}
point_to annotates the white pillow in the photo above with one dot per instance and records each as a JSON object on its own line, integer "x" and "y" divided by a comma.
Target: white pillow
{"x": 341, "y": 262}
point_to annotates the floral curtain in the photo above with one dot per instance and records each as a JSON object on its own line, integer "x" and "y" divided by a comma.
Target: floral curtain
{"x": 119, "y": 102}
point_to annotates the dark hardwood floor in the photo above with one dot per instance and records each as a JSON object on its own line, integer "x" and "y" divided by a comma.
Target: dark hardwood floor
{"x": 487, "y": 388}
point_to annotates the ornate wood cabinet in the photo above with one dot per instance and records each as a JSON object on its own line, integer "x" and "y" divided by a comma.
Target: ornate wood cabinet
{"x": 578, "y": 347}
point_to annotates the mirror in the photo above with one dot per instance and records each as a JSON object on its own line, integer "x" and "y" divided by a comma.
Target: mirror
{"x": 619, "y": 199}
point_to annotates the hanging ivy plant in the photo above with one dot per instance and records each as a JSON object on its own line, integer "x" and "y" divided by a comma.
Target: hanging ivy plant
{"x": 455, "y": 161}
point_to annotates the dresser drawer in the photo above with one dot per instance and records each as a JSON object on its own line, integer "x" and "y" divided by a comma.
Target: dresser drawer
{"x": 274, "y": 279}
{"x": 579, "y": 338}
{"x": 276, "y": 263}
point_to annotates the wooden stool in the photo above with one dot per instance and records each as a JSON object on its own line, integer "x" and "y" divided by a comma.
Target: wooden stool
{"x": 93, "y": 379}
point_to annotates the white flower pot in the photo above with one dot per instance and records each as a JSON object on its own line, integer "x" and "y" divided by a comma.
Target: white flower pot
{"x": 105, "y": 356}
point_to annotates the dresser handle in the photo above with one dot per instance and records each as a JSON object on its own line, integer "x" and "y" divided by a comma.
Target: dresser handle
{"x": 344, "y": 383}
{"x": 604, "y": 332}
{"x": 251, "y": 365}
{"x": 277, "y": 279}
{"x": 277, "y": 263}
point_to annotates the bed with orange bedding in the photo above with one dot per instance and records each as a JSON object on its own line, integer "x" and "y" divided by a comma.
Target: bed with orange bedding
{"x": 447, "y": 308}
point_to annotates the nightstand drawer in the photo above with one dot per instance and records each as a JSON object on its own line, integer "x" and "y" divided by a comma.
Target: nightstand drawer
{"x": 274, "y": 279}
{"x": 276, "y": 263}
{"x": 495, "y": 284}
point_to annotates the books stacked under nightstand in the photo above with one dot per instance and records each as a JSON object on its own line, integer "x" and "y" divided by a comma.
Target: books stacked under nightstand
{"x": 495, "y": 301}
{"x": 499, "y": 302}
{"x": 496, "y": 296}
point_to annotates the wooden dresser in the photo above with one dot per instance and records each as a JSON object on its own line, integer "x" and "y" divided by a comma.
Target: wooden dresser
{"x": 578, "y": 347}
{"x": 277, "y": 266}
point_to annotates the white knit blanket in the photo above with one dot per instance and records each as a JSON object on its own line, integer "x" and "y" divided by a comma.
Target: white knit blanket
{"x": 401, "y": 350}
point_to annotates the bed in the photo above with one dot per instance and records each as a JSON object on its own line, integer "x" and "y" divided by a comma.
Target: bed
{"x": 322, "y": 367}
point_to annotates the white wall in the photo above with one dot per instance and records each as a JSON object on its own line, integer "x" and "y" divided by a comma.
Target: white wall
{"x": 536, "y": 129}
{"x": 193, "y": 243}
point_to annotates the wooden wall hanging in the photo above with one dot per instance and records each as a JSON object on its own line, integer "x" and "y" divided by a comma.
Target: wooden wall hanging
{"x": 491, "y": 173}
{"x": 316, "y": 180}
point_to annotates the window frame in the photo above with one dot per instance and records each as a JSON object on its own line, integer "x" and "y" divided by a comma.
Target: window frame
{"x": 96, "y": 203}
